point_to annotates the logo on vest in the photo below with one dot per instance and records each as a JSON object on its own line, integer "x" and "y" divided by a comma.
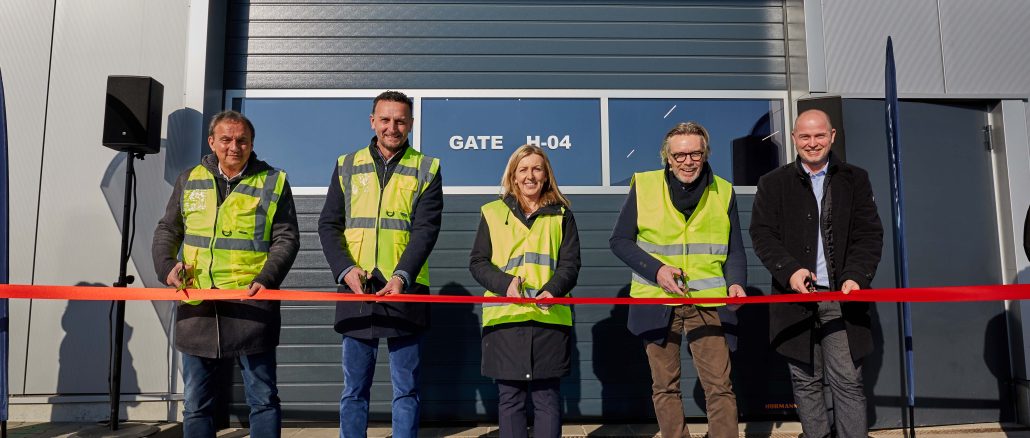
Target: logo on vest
{"x": 389, "y": 213}
{"x": 194, "y": 201}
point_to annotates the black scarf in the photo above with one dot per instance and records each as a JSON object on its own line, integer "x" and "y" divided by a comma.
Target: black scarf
{"x": 685, "y": 197}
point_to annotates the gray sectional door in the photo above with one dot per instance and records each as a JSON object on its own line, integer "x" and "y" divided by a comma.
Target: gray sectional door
{"x": 961, "y": 350}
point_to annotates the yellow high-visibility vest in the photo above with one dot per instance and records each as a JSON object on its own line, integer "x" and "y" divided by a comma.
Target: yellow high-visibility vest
{"x": 378, "y": 222}
{"x": 697, "y": 245}
{"x": 530, "y": 253}
{"x": 227, "y": 245}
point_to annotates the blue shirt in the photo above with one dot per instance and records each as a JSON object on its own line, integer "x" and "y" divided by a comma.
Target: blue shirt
{"x": 822, "y": 277}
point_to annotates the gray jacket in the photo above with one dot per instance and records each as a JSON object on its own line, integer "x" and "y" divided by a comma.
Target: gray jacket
{"x": 216, "y": 329}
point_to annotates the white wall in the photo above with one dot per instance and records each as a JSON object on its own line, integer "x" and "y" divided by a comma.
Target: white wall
{"x": 55, "y": 61}
{"x": 25, "y": 27}
{"x": 946, "y": 48}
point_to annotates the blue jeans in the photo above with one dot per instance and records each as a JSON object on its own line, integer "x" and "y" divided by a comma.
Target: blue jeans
{"x": 258, "y": 384}
{"x": 359, "y": 361}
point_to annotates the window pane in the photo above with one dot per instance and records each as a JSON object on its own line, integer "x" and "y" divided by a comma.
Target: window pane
{"x": 474, "y": 137}
{"x": 745, "y": 135}
{"x": 305, "y": 136}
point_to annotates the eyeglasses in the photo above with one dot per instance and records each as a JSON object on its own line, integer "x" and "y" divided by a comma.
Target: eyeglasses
{"x": 680, "y": 157}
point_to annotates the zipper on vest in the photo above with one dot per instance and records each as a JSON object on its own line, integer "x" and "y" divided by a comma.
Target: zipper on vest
{"x": 210, "y": 270}
{"x": 379, "y": 209}
{"x": 214, "y": 234}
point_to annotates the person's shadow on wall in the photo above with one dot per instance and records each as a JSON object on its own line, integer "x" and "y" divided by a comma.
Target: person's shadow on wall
{"x": 761, "y": 380}
{"x": 84, "y": 356}
{"x": 996, "y": 357}
{"x": 620, "y": 364}
{"x": 458, "y": 327}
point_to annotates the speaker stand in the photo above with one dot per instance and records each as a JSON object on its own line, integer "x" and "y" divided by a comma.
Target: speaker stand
{"x": 124, "y": 280}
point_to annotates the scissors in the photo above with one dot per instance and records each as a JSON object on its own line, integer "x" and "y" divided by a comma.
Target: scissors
{"x": 183, "y": 279}
{"x": 681, "y": 282}
{"x": 809, "y": 284}
{"x": 366, "y": 285}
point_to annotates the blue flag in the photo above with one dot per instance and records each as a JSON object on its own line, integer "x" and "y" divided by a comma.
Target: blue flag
{"x": 898, "y": 215}
{"x": 4, "y": 253}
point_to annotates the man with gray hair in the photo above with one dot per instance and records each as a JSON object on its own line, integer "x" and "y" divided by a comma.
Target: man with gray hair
{"x": 680, "y": 234}
{"x": 233, "y": 218}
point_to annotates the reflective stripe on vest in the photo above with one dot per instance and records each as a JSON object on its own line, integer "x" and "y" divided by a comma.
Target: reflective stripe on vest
{"x": 378, "y": 222}
{"x": 227, "y": 245}
{"x": 530, "y": 253}
{"x": 697, "y": 245}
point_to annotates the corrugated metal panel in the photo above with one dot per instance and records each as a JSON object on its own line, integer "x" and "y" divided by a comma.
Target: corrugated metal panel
{"x": 985, "y": 48}
{"x": 856, "y": 36}
{"x": 610, "y": 376}
{"x": 620, "y": 45}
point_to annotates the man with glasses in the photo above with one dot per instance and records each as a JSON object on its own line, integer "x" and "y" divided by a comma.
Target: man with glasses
{"x": 234, "y": 219}
{"x": 679, "y": 233}
{"x": 380, "y": 221}
{"x": 815, "y": 227}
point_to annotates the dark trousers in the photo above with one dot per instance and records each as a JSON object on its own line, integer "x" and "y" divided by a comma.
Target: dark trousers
{"x": 832, "y": 367}
{"x": 511, "y": 408}
{"x": 711, "y": 358}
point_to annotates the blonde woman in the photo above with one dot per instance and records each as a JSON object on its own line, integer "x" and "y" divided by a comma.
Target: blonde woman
{"x": 527, "y": 246}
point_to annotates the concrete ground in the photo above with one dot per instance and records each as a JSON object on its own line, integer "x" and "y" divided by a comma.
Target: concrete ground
{"x": 749, "y": 430}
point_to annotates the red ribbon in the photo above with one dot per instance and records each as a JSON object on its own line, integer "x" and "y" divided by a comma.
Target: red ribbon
{"x": 914, "y": 295}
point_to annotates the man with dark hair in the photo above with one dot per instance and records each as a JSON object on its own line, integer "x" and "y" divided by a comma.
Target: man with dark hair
{"x": 815, "y": 227}
{"x": 680, "y": 234}
{"x": 380, "y": 221}
{"x": 233, "y": 218}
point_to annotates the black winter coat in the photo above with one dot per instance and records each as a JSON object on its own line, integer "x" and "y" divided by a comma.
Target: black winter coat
{"x": 527, "y": 350}
{"x": 784, "y": 223}
{"x": 230, "y": 328}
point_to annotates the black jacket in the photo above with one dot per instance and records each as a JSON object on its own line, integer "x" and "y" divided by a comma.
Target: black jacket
{"x": 527, "y": 350}
{"x": 784, "y": 223}
{"x": 368, "y": 320}
{"x": 651, "y": 322}
{"x": 229, "y": 328}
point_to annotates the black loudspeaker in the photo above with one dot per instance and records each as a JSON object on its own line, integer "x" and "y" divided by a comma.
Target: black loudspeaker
{"x": 132, "y": 119}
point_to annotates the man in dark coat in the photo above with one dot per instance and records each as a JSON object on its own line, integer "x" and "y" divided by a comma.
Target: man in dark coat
{"x": 815, "y": 227}
{"x": 213, "y": 334}
{"x": 377, "y": 236}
